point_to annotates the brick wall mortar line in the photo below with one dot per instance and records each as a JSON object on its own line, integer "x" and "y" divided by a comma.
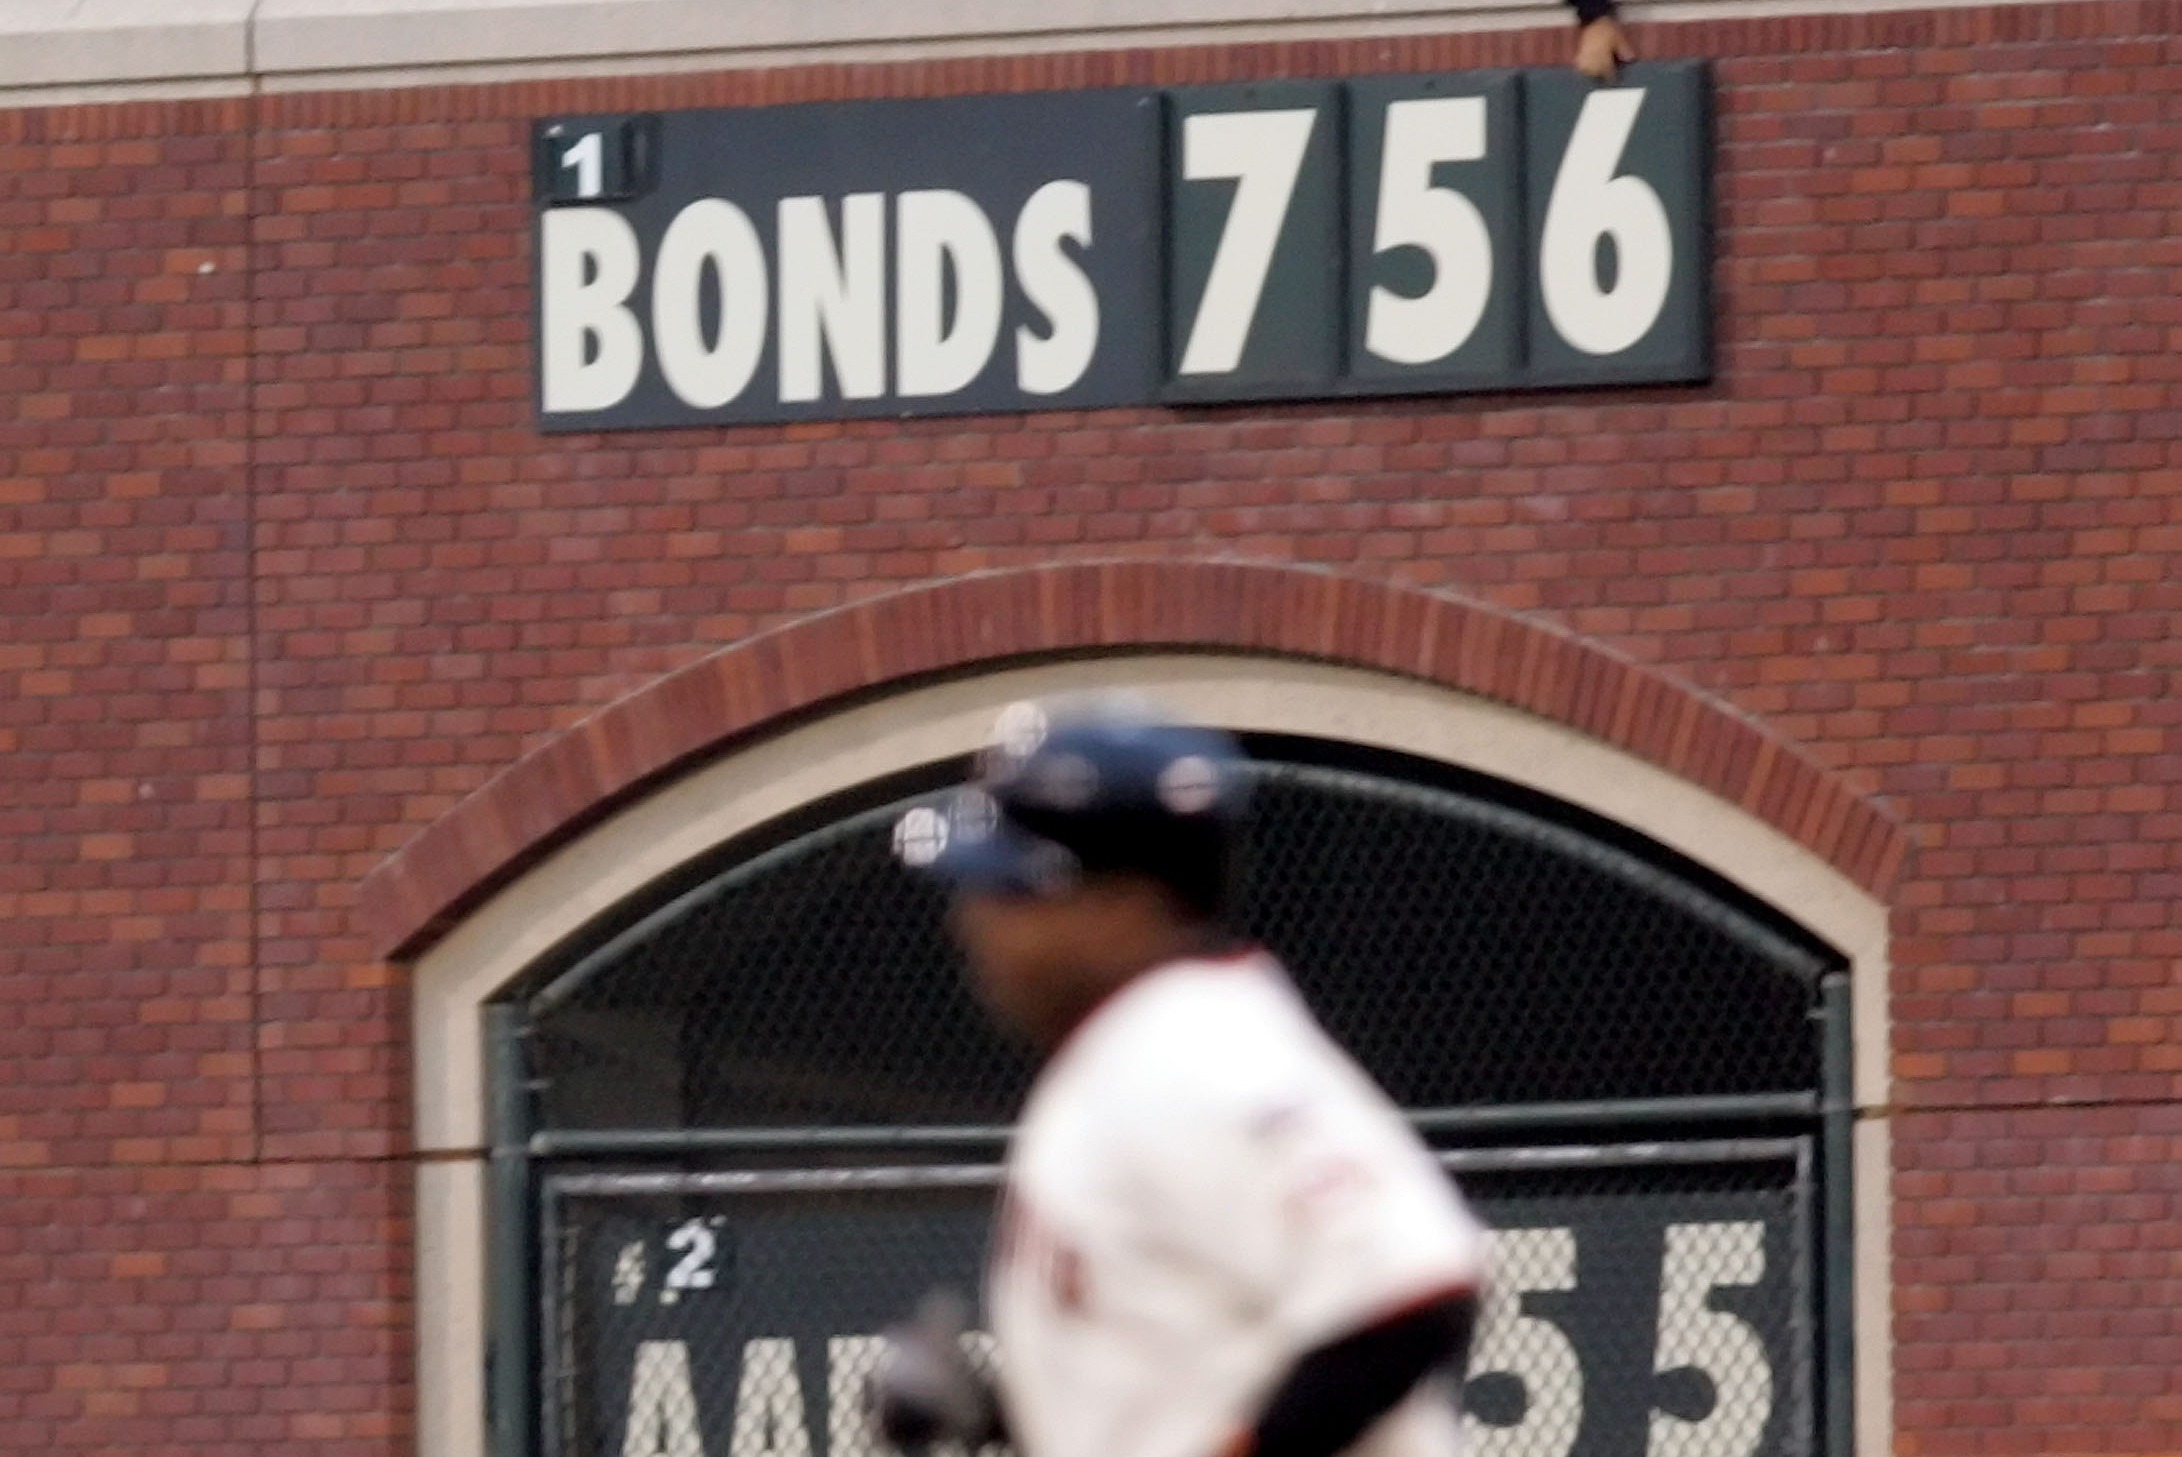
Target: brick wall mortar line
{"x": 255, "y": 1161}
{"x": 2016, "y": 1105}
{"x": 258, "y": 1159}
{"x": 253, "y": 140}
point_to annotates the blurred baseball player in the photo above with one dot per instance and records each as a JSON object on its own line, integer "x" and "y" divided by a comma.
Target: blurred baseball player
{"x": 1217, "y": 1238}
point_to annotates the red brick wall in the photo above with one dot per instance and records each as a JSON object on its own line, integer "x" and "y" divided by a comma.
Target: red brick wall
{"x": 286, "y": 570}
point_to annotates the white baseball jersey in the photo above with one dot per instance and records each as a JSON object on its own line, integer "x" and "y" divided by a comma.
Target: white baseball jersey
{"x": 1203, "y": 1189}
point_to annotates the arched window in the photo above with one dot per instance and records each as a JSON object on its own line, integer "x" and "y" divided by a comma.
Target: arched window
{"x": 758, "y": 1114}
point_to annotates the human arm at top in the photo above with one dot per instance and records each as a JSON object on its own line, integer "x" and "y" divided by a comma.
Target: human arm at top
{"x": 1602, "y": 46}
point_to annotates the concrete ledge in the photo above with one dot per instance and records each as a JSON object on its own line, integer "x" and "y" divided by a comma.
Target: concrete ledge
{"x": 75, "y": 42}
{"x": 346, "y": 35}
{"x": 55, "y": 52}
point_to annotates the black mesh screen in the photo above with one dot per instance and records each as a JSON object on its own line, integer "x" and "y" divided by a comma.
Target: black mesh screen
{"x": 1468, "y": 951}
{"x": 812, "y": 985}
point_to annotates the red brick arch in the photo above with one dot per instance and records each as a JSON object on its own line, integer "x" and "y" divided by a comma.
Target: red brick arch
{"x": 984, "y": 621}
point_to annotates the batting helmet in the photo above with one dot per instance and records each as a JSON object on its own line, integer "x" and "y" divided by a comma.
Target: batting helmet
{"x": 1083, "y": 788}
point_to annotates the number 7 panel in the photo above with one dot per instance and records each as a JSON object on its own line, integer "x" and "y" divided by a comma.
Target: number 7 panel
{"x": 1435, "y": 234}
{"x": 1254, "y": 241}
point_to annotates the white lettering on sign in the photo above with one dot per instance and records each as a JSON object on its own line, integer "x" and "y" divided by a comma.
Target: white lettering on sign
{"x": 850, "y": 1361}
{"x": 662, "y": 1404}
{"x": 1262, "y": 151}
{"x": 1413, "y": 213}
{"x": 942, "y": 236}
{"x": 1536, "y": 1352}
{"x": 770, "y": 1419}
{"x": 1700, "y": 1259}
{"x": 718, "y": 235}
{"x": 822, "y": 302}
{"x": 1590, "y": 203}
{"x": 833, "y": 297}
{"x": 591, "y": 347}
{"x": 1056, "y": 286}
{"x": 769, "y": 1416}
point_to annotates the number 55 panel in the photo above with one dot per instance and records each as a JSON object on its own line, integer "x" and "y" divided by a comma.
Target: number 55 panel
{"x": 1416, "y": 234}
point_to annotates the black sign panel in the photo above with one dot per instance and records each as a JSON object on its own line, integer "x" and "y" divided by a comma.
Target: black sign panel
{"x": 1644, "y": 1310}
{"x": 1254, "y": 262}
{"x": 1060, "y": 251}
{"x": 872, "y": 258}
{"x": 1436, "y": 279}
{"x": 1649, "y": 1302}
{"x": 1619, "y": 184}
{"x": 740, "y": 1306}
{"x": 601, "y": 161}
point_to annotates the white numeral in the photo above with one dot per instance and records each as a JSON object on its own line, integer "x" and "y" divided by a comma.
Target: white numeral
{"x": 1589, "y": 202}
{"x": 1445, "y": 224}
{"x": 1263, "y": 152}
{"x": 588, "y": 157}
{"x": 1536, "y": 1352}
{"x": 1702, "y": 1258}
{"x": 695, "y": 1270}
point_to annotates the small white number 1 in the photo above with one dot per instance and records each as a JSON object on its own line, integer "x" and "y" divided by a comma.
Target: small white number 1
{"x": 588, "y": 157}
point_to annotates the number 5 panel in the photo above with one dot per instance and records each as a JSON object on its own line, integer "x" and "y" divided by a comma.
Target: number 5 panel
{"x": 1616, "y": 183}
{"x": 1435, "y": 240}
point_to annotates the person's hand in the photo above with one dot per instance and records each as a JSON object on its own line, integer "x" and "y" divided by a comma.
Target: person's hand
{"x": 924, "y": 1389}
{"x": 1602, "y": 47}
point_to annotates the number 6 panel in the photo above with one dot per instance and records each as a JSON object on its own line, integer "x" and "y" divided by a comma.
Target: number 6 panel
{"x": 1616, "y": 179}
